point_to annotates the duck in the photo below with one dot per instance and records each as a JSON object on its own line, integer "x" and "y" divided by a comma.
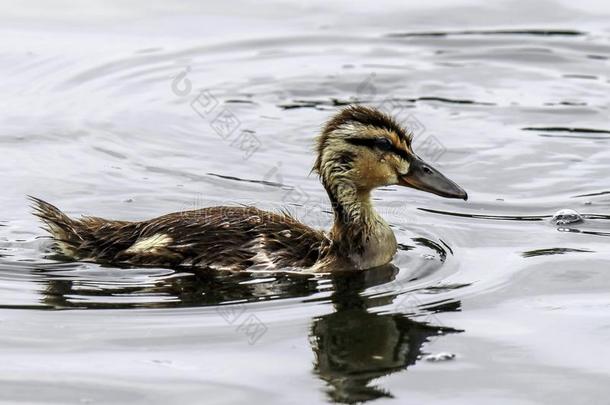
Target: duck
{"x": 359, "y": 149}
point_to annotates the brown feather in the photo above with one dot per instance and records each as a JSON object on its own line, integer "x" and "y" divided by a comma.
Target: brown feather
{"x": 221, "y": 237}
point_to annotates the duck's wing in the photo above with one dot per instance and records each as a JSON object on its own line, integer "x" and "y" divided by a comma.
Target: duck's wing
{"x": 233, "y": 238}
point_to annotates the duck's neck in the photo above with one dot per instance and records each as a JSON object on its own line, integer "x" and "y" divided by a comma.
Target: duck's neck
{"x": 358, "y": 232}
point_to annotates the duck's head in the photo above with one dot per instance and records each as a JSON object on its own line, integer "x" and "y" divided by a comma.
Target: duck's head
{"x": 365, "y": 148}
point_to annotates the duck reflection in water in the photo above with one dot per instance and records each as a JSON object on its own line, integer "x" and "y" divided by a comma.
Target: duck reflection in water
{"x": 352, "y": 345}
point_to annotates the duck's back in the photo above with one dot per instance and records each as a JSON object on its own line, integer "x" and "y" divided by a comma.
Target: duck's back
{"x": 234, "y": 238}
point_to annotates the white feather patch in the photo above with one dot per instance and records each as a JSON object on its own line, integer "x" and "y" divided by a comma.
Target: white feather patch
{"x": 151, "y": 244}
{"x": 59, "y": 235}
{"x": 261, "y": 259}
{"x": 65, "y": 249}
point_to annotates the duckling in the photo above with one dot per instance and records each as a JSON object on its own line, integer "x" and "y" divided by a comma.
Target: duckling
{"x": 358, "y": 150}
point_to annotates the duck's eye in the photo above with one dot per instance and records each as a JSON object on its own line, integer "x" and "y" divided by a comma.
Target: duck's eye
{"x": 383, "y": 144}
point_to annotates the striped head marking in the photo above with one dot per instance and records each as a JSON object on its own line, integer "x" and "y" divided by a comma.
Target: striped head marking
{"x": 367, "y": 149}
{"x": 365, "y": 146}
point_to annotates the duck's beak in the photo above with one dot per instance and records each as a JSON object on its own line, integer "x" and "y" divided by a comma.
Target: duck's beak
{"x": 424, "y": 177}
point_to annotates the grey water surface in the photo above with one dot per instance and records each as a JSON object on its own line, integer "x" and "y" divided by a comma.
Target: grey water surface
{"x": 129, "y": 110}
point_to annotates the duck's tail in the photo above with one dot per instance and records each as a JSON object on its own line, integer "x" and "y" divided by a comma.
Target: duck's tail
{"x": 63, "y": 228}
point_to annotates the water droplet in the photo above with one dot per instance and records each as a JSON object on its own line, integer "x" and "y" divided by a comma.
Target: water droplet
{"x": 566, "y": 216}
{"x": 442, "y": 356}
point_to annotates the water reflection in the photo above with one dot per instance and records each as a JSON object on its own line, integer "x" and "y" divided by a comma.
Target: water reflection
{"x": 176, "y": 289}
{"x": 353, "y": 346}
